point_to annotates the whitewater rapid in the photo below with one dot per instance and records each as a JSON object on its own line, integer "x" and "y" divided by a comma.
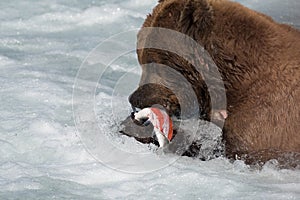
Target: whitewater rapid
{"x": 43, "y": 45}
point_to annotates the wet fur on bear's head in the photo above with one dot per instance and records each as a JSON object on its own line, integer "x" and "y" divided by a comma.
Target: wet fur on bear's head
{"x": 259, "y": 61}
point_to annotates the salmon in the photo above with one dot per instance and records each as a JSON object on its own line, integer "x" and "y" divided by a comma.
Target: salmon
{"x": 162, "y": 123}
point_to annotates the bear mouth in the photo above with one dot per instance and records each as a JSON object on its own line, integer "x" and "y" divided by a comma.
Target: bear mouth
{"x": 142, "y": 121}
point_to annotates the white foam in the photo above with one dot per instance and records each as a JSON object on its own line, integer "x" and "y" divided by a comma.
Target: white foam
{"x": 42, "y": 156}
{"x": 4, "y": 61}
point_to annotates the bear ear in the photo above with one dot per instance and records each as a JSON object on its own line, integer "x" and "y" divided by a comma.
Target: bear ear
{"x": 196, "y": 18}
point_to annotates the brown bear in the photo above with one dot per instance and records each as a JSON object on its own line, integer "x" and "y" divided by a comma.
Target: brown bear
{"x": 259, "y": 63}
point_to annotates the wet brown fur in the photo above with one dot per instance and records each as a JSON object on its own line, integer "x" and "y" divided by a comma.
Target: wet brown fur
{"x": 259, "y": 61}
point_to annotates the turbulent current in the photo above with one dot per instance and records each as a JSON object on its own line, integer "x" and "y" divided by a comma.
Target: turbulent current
{"x": 57, "y": 141}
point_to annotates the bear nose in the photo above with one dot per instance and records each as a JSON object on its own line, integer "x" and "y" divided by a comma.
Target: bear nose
{"x": 134, "y": 101}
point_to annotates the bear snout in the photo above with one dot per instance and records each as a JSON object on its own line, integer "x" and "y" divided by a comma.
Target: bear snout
{"x": 149, "y": 95}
